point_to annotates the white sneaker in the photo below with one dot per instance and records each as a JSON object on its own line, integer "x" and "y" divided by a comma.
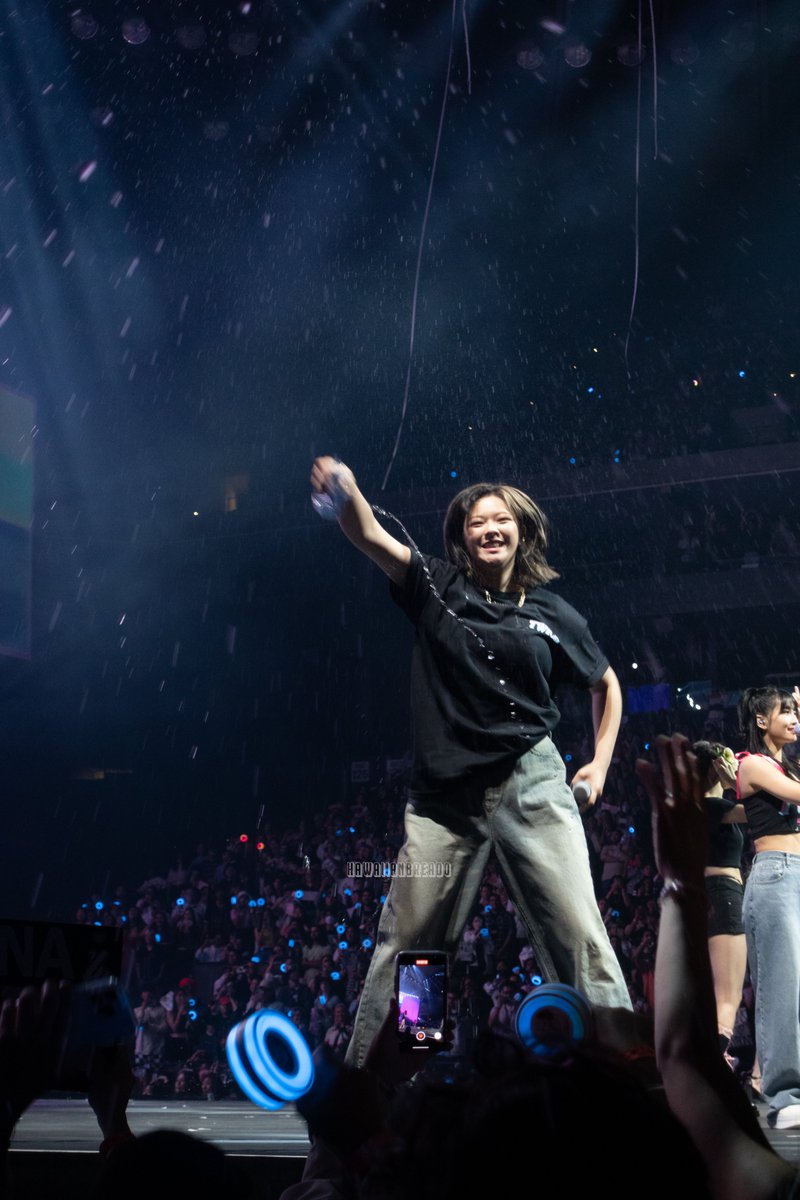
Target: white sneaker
{"x": 788, "y": 1117}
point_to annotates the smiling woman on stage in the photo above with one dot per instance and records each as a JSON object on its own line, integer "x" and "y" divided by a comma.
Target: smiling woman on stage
{"x": 493, "y": 646}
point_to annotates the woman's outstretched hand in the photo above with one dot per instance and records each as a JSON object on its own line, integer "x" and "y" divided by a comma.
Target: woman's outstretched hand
{"x": 332, "y": 477}
{"x": 680, "y": 831}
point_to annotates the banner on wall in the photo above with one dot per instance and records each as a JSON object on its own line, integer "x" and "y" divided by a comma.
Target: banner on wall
{"x": 17, "y": 419}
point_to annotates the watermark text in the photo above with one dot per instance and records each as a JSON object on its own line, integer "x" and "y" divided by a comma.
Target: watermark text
{"x": 399, "y": 870}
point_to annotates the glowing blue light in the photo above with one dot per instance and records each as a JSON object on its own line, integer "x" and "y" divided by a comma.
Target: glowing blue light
{"x": 367, "y": 942}
{"x": 84, "y": 906}
{"x": 631, "y": 829}
{"x": 383, "y": 899}
{"x": 357, "y": 904}
{"x": 291, "y": 943}
{"x": 536, "y": 980}
{"x": 572, "y": 462}
{"x": 340, "y": 928}
{"x": 342, "y": 945}
{"x": 158, "y": 935}
{"x": 567, "y": 758}
{"x": 387, "y": 870}
{"x": 192, "y": 1002}
{"x": 487, "y": 908}
{"x": 100, "y": 923}
{"x": 261, "y": 902}
{"x": 454, "y": 474}
{"x": 484, "y": 932}
{"x": 590, "y": 390}
{"x": 348, "y": 891}
{"x": 180, "y": 902}
{"x": 251, "y": 903}
{"x": 338, "y": 833}
{"x": 516, "y": 970}
{"x": 233, "y": 899}
{"x": 335, "y": 975}
{"x": 742, "y": 374}
{"x": 298, "y": 894}
{"x": 352, "y": 828}
{"x": 283, "y": 968}
{"x": 323, "y": 999}
{"x": 117, "y": 903}
{"x": 254, "y": 1068}
{"x": 256, "y": 958}
{"x": 193, "y": 1015}
{"x": 647, "y": 745}
{"x": 99, "y": 905}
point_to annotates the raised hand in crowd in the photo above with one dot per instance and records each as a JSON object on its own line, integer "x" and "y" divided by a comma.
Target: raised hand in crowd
{"x": 701, "y": 1090}
{"x": 33, "y": 1031}
{"x": 32, "y": 1028}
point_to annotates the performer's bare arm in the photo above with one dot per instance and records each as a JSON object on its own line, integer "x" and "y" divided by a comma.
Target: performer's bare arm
{"x": 357, "y": 520}
{"x": 606, "y": 717}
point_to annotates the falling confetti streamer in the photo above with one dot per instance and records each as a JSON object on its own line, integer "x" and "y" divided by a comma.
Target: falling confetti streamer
{"x": 421, "y": 246}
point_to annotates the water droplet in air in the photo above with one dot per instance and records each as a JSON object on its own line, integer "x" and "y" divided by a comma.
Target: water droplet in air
{"x": 135, "y": 31}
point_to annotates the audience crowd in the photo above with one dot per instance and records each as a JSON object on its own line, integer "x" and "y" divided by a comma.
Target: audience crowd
{"x": 688, "y": 1126}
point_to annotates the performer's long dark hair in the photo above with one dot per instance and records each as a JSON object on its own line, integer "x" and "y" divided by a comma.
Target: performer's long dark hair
{"x": 530, "y": 565}
{"x": 759, "y": 702}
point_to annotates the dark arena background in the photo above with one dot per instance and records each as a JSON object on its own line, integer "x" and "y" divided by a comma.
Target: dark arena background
{"x": 539, "y": 241}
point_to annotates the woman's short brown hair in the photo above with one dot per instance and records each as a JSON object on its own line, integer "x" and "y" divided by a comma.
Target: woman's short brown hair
{"x": 530, "y": 565}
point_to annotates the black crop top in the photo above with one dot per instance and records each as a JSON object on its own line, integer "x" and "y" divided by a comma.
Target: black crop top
{"x": 725, "y": 839}
{"x": 768, "y": 815}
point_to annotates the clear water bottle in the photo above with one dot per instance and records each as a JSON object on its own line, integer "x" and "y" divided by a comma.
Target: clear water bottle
{"x": 329, "y": 505}
{"x": 324, "y": 506}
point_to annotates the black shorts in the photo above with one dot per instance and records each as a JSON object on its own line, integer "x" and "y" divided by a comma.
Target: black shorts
{"x": 724, "y": 905}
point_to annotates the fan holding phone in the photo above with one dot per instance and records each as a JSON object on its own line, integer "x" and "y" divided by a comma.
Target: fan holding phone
{"x": 421, "y": 991}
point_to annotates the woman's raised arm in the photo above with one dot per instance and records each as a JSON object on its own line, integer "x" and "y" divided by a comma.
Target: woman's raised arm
{"x": 757, "y": 773}
{"x": 357, "y": 520}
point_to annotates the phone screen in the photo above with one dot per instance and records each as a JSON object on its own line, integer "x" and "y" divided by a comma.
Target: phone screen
{"x": 421, "y": 988}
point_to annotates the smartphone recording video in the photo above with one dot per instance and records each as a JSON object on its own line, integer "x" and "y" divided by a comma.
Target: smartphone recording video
{"x": 421, "y": 990}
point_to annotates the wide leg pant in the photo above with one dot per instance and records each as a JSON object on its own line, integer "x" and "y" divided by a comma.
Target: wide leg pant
{"x": 532, "y": 824}
{"x": 771, "y": 915}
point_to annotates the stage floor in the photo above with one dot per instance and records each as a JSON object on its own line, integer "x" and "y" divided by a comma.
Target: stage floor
{"x": 59, "y": 1139}
{"x": 236, "y": 1126}
{"x": 62, "y": 1135}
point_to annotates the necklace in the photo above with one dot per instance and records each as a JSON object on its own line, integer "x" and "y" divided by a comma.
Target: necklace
{"x": 491, "y": 600}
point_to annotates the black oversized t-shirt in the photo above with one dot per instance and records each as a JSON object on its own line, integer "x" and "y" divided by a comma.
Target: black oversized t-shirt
{"x": 484, "y": 675}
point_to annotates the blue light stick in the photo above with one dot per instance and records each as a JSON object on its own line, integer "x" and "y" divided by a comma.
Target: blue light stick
{"x": 254, "y": 1068}
{"x": 552, "y": 1017}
